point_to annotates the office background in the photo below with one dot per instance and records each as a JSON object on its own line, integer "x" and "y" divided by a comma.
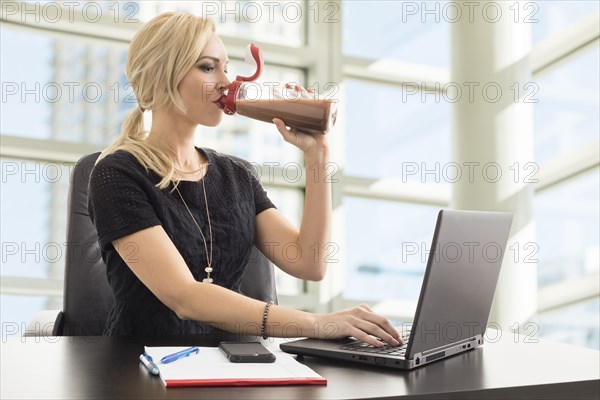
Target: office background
{"x": 392, "y": 66}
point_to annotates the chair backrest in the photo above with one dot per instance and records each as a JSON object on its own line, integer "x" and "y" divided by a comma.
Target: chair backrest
{"x": 87, "y": 294}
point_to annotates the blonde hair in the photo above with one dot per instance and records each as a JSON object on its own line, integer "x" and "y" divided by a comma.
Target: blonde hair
{"x": 159, "y": 56}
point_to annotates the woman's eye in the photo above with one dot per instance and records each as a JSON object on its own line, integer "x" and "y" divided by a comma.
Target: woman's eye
{"x": 206, "y": 68}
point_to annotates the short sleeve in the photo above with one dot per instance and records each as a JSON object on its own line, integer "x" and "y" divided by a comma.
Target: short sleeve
{"x": 261, "y": 200}
{"x": 118, "y": 203}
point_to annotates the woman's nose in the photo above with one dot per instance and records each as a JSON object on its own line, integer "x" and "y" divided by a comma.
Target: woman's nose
{"x": 224, "y": 83}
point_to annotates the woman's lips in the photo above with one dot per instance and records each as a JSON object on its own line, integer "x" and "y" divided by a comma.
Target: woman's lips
{"x": 220, "y": 102}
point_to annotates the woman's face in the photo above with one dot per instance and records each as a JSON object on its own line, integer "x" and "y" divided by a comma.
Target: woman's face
{"x": 204, "y": 84}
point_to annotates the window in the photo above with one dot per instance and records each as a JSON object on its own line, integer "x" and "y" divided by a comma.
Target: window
{"x": 17, "y": 311}
{"x": 290, "y": 203}
{"x": 23, "y": 83}
{"x": 577, "y": 324}
{"x": 397, "y": 139}
{"x": 566, "y": 210}
{"x": 551, "y": 17}
{"x": 386, "y": 248}
{"x": 392, "y": 132}
{"x": 280, "y": 22}
{"x": 567, "y": 115}
{"x": 567, "y": 218}
{"x": 394, "y": 137}
{"x": 33, "y": 237}
{"x": 64, "y": 89}
{"x": 422, "y": 27}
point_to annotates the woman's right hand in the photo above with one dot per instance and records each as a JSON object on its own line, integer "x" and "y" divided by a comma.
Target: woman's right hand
{"x": 360, "y": 322}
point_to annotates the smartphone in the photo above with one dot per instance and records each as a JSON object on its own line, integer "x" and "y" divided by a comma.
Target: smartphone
{"x": 246, "y": 352}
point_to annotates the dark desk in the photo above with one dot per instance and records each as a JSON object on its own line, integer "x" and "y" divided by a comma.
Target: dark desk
{"x": 105, "y": 368}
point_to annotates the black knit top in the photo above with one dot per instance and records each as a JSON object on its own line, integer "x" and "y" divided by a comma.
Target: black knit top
{"x": 123, "y": 200}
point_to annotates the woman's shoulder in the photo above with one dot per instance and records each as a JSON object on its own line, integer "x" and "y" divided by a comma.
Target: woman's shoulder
{"x": 120, "y": 163}
{"x": 118, "y": 158}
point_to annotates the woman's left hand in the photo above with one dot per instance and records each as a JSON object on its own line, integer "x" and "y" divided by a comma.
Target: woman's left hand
{"x": 307, "y": 142}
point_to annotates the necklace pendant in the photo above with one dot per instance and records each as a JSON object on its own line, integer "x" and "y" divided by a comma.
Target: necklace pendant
{"x": 208, "y": 269}
{"x": 207, "y": 280}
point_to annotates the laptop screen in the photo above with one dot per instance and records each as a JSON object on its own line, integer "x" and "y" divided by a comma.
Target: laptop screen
{"x": 460, "y": 279}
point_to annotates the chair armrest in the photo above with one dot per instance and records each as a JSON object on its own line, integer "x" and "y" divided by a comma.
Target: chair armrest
{"x": 45, "y": 323}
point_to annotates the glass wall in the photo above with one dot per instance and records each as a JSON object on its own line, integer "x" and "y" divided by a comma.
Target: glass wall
{"x": 394, "y": 135}
{"x": 566, "y": 211}
{"x": 411, "y": 32}
{"x": 567, "y": 218}
{"x": 398, "y": 134}
{"x": 567, "y": 115}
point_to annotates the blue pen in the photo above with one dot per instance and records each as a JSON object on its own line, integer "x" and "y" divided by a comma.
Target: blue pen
{"x": 180, "y": 354}
{"x": 149, "y": 364}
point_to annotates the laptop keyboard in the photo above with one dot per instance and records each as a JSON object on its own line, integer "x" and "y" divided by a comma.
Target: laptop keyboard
{"x": 385, "y": 350}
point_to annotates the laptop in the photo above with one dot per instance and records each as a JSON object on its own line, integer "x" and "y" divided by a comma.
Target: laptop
{"x": 455, "y": 300}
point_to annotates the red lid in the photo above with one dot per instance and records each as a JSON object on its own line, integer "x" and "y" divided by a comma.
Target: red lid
{"x": 227, "y": 102}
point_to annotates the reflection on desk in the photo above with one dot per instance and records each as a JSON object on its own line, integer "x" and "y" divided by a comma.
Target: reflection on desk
{"x": 103, "y": 367}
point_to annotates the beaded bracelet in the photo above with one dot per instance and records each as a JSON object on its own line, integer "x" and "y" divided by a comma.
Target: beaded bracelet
{"x": 263, "y": 329}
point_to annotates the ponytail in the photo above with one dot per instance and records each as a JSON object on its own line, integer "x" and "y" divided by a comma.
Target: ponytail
{"x": 133, "y": 125}
{"x": 151, "y": 156}
{"x": 132, "y": 131}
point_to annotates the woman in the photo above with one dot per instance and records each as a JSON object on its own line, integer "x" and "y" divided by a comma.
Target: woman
{"x": 176, "y": 223}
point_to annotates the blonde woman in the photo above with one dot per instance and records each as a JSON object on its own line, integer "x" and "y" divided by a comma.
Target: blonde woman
{"x": 176, "y": 223}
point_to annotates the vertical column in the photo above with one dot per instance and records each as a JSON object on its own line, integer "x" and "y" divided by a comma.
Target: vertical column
{"x": 492, "y": 137}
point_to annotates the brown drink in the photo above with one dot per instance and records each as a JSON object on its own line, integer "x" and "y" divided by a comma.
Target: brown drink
{"x": 304, "y": 114}
{"x": 304, "y": 111}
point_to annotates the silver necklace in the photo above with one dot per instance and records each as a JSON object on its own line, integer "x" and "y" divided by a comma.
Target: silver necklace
{"x": 209, "y": 259}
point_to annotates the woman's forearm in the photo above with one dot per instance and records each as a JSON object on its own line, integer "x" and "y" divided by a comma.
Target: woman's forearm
{"x": 233, "y": 312}
{"x": 315, "y": 228}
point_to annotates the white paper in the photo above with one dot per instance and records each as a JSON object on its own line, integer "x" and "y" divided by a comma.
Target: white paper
{"x": 211, "y": 363}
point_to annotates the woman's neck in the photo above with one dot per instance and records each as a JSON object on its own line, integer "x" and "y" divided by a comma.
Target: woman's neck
{"x": 176, "y": 137}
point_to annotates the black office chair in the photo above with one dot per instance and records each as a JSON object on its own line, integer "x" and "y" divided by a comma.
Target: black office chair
{"x": 87, "y": 294}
